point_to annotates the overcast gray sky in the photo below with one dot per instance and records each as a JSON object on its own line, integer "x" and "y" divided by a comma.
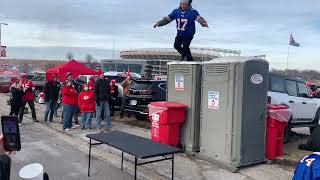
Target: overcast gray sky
{"x": 254, "y": 27}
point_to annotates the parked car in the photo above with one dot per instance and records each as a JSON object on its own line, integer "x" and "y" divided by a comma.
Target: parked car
{"x": 141, "y": 93}
{"x": 119, "y": 77}
{"x": 39, "y": 81}
{"x": 294, "y": 93}
{"x": 7, "y": 77}
{"x": 5, "y": 83}
{"x": 41, "y": 98}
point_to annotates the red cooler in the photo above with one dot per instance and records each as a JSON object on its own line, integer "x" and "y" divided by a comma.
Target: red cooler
{"x": 166, "y": 119}
{"x": 277, "y": 121}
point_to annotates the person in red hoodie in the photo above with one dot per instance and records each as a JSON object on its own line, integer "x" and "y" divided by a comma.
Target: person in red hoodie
{"x": 114, "y": 92}
{"x": 86, "y": 104}
{"x": 28, "y": 97}
{"x": 69, "y": 102}
{"x": 91, "y": 83}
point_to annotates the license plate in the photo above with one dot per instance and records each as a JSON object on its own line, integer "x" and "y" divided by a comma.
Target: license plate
{"x": 133, "y": 102}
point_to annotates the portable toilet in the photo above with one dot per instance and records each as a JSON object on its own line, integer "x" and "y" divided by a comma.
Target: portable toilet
{"x": 233, "y": 111}
{"x": 184, "y": 86}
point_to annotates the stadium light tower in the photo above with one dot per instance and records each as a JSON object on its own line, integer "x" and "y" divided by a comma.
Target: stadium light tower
{"x": 5, "y": 24}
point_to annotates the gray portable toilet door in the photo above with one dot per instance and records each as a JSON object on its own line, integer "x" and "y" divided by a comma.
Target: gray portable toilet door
{"x": 254, "y": 111}
{"x": 183, "y": 93}
{"x": 215, "y": 127}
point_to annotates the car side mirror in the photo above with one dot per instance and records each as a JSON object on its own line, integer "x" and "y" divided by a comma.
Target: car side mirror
{"x": 317, "y": 95}
{"x": 304, "y": 95}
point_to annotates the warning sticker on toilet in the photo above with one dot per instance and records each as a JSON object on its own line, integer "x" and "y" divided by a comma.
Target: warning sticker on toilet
{"x": 213, "y": 100}
{"x": 179, "y": 83}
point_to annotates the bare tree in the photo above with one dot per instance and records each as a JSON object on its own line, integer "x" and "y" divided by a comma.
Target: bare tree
{"x": 69, "y": 56}
{"x": 89, "y": 59}
{"x": 304, "y": 74}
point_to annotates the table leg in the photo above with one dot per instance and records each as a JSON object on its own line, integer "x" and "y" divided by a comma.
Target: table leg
{"x": 172, "y": 166}
{"x": 135, "y": 168}
{"x": 121, "y": 160}
{"x": 89, "y": 158}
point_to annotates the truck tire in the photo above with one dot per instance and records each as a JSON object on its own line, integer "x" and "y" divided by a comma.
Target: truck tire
{"x": 287, "y": 132}
{"x": 315, "y": 121}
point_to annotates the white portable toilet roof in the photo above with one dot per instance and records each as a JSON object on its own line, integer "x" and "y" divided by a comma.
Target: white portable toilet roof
{"x": 233, "y": 59}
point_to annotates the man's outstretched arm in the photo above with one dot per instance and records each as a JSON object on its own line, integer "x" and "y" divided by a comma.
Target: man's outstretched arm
{"x": 163, "y": 22}
{"x": 202, "y": 21}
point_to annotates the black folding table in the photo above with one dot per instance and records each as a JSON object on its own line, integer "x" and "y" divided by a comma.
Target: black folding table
{"x": 139, "y": 147}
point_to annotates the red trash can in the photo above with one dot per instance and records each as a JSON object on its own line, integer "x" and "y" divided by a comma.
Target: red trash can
{"x": 166, "y": 119}
{"x": 277, "y": 120}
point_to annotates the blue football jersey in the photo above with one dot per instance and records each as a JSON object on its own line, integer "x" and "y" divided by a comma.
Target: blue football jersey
{"x": 185, "y": 20}
{"x": 308, "y": 168}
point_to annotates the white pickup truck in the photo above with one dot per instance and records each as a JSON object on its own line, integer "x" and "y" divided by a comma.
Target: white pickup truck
{"x": 294, "y": 93}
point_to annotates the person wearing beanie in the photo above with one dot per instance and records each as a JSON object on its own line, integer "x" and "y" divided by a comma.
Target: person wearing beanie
{"x": 102, "y": 97}
{"x": 185, "y": 17}
{"x": 69, "y": 102}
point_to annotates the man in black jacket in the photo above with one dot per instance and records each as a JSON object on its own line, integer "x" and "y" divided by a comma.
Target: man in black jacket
{"x": 102, "y": 97}
{"x": 51, "y": 91}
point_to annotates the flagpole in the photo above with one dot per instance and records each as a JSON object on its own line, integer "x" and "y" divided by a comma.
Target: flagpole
{"x": 288, "y": 60}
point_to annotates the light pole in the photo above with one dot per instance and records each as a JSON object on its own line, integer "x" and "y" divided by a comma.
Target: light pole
{"x": 0, "y": 33}
{"x": 0, "y": 30}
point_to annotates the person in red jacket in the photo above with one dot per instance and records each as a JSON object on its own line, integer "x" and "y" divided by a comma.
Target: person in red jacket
{"x": 86, "y": 104}
{"x": 28, "y": 97}
{"x": 69, "y": 102}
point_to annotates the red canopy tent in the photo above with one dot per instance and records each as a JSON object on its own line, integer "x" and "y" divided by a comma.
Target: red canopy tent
{"x": 72, "y": 66}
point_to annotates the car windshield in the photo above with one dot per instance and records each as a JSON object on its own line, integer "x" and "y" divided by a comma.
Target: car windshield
{"x": 118, "y": 79}
{"x": 38, "y": 78}
{"x": 141, "y": 85}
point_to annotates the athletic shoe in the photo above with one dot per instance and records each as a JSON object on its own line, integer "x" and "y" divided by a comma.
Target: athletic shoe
{"x": 20, "y": 124}
{"x": 67, "y": 129}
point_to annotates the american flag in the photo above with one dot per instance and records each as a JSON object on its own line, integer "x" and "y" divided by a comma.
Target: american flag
{"x": 293, "y": 42}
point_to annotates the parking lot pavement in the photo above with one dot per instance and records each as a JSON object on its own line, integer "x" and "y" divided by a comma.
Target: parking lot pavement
{"x": 186, "y": 168}
{"x": 61, "y": 160}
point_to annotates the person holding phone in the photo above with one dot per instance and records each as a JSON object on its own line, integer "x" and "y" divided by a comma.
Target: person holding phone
{"x": 69, "y": 102}
{"x": 16, "y": 97}
{"x": 5, "y": 160}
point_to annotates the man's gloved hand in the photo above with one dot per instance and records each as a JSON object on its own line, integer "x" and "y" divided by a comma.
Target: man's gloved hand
{"x": 98, "y": 103}
{"x": 156, "y": 25}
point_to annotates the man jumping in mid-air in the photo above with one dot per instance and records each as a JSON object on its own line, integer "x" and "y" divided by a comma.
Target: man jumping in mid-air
{"x": 185, "y": 16}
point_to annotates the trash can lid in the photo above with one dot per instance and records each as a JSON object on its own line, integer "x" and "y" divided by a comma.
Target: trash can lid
{"x": 276, "y": 107}
{"x": 167, "y": 104}
{"x": 32, "y": 172}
